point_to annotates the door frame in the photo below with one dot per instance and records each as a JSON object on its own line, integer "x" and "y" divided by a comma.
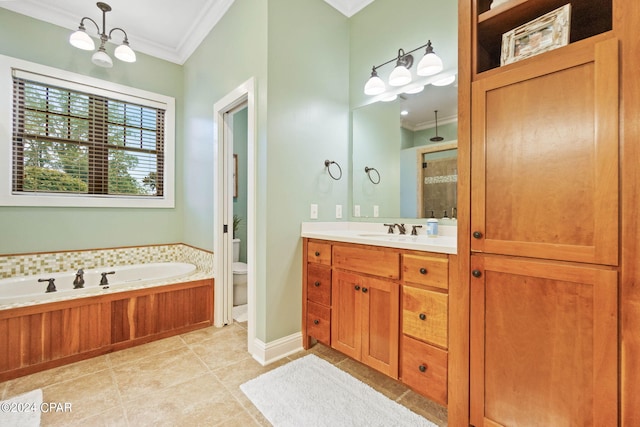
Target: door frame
{"x": 223, "y": 209}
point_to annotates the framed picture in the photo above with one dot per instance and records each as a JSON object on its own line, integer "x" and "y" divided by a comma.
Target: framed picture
{"x": 543, "y": 34}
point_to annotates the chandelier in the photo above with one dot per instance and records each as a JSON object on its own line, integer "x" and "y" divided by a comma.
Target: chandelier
{"x": 81, "y": 40}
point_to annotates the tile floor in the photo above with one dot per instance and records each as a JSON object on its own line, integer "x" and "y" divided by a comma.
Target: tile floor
{"x": 187, "y": 380}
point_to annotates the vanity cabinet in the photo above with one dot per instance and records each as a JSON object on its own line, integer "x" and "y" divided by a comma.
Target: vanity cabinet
{"x": 388, "y": 309}
{"x": 316, "y": 321}
{"x": 365, "y": 319}
{"x": 540, "y": 209}
{"x": 425, "y": 330}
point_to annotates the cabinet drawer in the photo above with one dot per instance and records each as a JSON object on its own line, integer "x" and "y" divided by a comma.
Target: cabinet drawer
{"x": 319, "y": 322}
{"x": 424, "y": 369}
{"x": 426, "y": 270}
{"x": 319, "y": 253}
{"x": 319, "y": 284}
{"x": 424, "y": 315}
{"x": 383, "y": 263}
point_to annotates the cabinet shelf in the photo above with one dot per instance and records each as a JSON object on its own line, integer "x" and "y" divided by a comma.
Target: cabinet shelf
{"x": 588, "y": 18}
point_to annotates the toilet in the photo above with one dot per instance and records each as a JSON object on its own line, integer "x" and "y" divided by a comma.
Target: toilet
{"x": 239, "y": 276}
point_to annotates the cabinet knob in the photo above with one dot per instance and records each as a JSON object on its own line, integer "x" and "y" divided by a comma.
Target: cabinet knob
{"x": 477, "y": 235}
{"x": 317, "y": 253}
{"x": 476, "y": 273}
{"x": 423, "y": 270}
{"x": 422, "y": 368}
{"x": 356, "y": 287}
{"x": 316, "y": 284}
{"x": 316, "y": 322}
{"x": 423, "y": 316}
{"x": 365, "y": 290}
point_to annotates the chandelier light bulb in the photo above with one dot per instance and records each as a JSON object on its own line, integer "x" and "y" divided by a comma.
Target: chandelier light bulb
{"x": 81, "y": 39}
{"x": 125, "y": 53}
{"x": 101, "y": 59}
{"x": 375, "y": 85}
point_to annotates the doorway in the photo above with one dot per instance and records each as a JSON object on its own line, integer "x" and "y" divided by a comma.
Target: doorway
{"x": 236, "y": 101}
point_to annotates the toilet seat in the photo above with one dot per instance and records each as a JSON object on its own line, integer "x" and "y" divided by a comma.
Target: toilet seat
{"x": 239, "y": 268}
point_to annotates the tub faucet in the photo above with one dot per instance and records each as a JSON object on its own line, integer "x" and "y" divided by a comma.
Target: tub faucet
{"x": 103, "y": 280}
{"x": 51, "y": 287}
{"x": 79, "y": 281}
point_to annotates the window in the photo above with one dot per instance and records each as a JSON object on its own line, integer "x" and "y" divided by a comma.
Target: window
{"x": 79, "y": 141}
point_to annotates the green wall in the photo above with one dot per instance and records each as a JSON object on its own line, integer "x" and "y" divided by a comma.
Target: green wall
{"x": 36, "y": 229}
{"x": 302, "y": 115}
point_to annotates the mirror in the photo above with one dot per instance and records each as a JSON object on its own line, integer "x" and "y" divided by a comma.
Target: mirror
{"x": 409, "y": 174}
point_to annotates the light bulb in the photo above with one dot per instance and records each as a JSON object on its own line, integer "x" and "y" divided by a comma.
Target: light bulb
{"x": 125, "y": 53}
{"x": 81, "y": 40}
{"x": 444, "y": 81}
{"x": 375, "y": 85}
{"x": 400, "y": 76}
{"x": 101, "y": 59}
{"x": 430, "y": 63}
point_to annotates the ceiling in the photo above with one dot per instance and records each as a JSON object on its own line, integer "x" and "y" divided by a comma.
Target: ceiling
{"x": 167, "y": 29}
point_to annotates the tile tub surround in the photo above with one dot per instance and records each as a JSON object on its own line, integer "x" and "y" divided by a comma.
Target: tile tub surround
{"x": 44, "y": 263}
{"x": 375, "y": 234}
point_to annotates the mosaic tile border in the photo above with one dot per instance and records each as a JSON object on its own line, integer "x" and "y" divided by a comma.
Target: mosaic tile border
{"x": 41, "y": 263}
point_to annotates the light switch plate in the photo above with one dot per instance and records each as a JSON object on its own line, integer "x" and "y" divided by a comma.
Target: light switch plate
{"x": 356, "y": 210}
{"x": 314, "y": 211}
{"x": 338, "y": 211}
{"x": 376, "y": 211}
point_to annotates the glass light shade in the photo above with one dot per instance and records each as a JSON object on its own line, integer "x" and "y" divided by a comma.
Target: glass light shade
{"x": 444, "y": 81}
{"x": 81, "y": 40}
{"x": 400, "y": 76}
{"x": 414, "y": 89}
{"x": 101, "y": 59}
{"x": 125, "y": 53}
{"x": 389, "y": 98}
{"x": 429, "y": 65}
{"x": 374, "y": 86}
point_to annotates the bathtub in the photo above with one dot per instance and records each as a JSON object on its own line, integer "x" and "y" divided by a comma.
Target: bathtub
{"x": 26, "y": 289}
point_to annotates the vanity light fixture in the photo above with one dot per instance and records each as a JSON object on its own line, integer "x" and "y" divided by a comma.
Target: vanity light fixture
{"x": 429, "y": 64}
{"x": 81, "y": 40}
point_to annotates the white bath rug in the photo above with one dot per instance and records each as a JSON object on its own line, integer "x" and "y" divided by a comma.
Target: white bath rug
{"x": 312, "y": 392}
{"x": 22, "y": 410}
{"x": 240, "y": 313}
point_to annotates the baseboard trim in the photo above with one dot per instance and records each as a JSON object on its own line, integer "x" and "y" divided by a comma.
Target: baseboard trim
{"x": 266, "y": 353}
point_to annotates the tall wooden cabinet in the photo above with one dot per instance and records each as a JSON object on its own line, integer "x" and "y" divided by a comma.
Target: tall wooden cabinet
{"x": 540, "y": 217}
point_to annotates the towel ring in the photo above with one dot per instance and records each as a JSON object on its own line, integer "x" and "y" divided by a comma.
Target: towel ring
{"x": 328, "y": 163}
{"x": 368, "y": 170}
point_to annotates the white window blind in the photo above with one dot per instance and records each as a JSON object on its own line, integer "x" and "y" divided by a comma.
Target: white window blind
{"x": 66, "y": 140}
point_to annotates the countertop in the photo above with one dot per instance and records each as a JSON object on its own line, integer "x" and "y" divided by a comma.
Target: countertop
{"x": 375, "y": 234}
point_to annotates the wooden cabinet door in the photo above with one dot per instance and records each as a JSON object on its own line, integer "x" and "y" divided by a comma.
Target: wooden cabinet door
{"x": 545, "y": 157}
{"x": 346, "y": 297}
{"x": 380, "y": 325}
{"x": 543, "y": 343}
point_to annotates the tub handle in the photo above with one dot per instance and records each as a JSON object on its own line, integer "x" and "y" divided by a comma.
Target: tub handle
{"x": 51, "y": 287}
{"x": 103, "y": 280}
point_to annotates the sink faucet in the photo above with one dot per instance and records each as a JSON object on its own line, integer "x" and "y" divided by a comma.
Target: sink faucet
{"x": 401, "y": 228}
{"x": 103, "y": 280}
{"x": 414, "y": 229}
{"x": 390, "y": 231}
{"x": 79, "y": 280}
{"x": 51, "y": 287}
